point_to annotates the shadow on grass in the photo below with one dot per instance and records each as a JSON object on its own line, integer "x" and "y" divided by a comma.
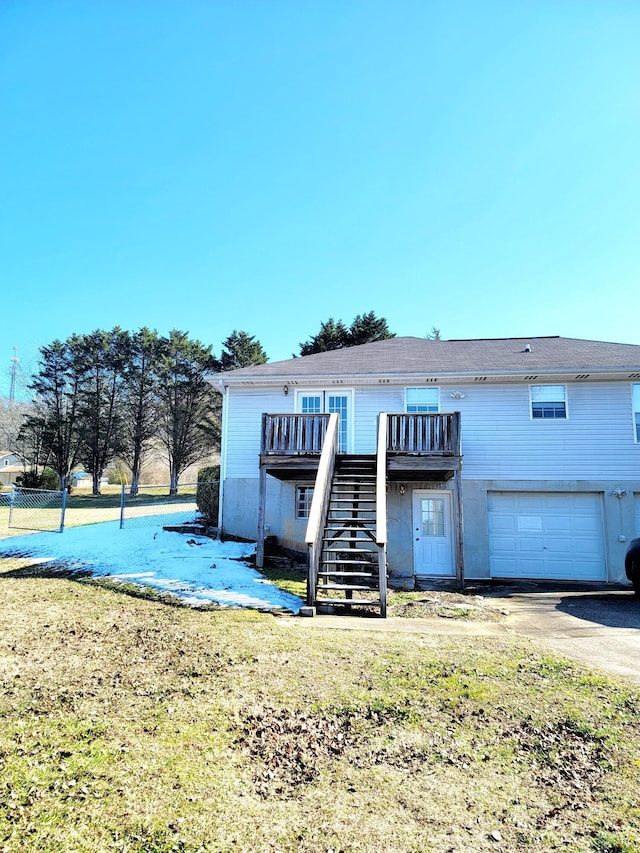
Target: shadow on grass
{"x": 110, "y": 501}
{"x": 60, "y": 571}
{"x": 289, "y": 580}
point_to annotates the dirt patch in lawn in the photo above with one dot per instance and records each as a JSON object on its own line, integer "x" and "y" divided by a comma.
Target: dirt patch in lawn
{"x": 443, "y": 604}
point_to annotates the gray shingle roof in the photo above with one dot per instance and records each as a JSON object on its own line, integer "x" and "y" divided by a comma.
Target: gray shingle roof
{"x": 403, "y": 356}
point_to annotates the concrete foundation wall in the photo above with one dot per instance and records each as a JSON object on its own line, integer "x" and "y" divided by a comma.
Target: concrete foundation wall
{"x": 619, "y": 518}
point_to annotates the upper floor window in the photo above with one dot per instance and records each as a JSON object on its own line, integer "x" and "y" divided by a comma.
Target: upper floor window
{"x": 636, "y": 410}
{"x": 422, "y": 400}
{"x": 548, "y": 401}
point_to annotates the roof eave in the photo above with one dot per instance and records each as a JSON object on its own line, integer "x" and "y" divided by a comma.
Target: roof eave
{"x": 567, "y": 374}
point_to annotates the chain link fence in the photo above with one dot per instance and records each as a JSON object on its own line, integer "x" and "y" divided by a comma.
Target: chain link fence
{"x": 152, "y": 506}
{"x": 36, "y": 509}
{"x": 155, "y": 506}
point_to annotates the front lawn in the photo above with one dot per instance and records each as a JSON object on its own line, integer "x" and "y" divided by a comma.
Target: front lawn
{"x": 131, "y": 726}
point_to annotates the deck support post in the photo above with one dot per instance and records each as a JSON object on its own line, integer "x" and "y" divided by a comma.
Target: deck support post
{"x": 458, "y": 528}
{"x": 262, "y": 500}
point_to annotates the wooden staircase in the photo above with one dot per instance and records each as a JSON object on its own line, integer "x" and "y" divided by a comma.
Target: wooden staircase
{"x": 349, "y": 573}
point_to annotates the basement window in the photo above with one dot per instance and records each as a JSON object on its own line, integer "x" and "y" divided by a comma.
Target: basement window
{"x": 304, "y": 496}
{"x": 548, "y": 402}
{"x": 636, "y": 410}
{"x": 418, "y": 400}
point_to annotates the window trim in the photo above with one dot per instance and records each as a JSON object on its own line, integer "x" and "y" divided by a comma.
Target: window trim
{"x": 435, "y": 388}
{"x": 297, "y": 503}
{"x": 565, "y": 401}
{"x": 338, "y": 391}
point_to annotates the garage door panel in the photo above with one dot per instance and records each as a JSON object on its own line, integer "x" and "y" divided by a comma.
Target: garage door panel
{"x": 558, "y": 524}
{"x": 561, "y": 546}
{"x": 531, "y": 568}
{"x": 561, "y": 569}
{"x": 555, "y": 535}
{"x": 530, "y": 545}
{"x": 585, "y": 547}
{"x": 502, "y": 524}
{"x": 505, "y": 568}
{"x": 502, "y": 544}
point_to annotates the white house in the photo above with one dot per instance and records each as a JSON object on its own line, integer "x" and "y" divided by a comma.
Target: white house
{"x": 11, "y": 466}
{"x": 509, "y": 458}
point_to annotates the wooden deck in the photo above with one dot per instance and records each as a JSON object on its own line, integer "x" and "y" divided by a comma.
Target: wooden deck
{"x": 418, "y": 446}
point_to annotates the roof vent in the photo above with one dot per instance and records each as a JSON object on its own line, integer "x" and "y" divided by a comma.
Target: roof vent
{"x": 527, "y": 347}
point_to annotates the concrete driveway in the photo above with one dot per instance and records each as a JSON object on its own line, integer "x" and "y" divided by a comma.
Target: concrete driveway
{"x": 598, "y": 626}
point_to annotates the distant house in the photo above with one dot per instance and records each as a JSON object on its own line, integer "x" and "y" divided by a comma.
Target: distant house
{"x": 84, "y": 480}
{"x": 509, "y": 458}
{"x": 11, "y": 466}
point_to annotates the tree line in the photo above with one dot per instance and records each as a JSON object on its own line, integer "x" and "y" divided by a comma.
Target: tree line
{"x": 115, "y": 394}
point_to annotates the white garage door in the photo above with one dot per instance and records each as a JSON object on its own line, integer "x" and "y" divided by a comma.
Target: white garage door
{"x": 546, "y": 535}
{"x": 636, "y": 502}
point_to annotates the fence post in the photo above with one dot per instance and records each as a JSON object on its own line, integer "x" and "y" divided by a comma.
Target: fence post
{"x": 122, "y": 504}
{"x": 11, "y": 500}
{"x": 64, "y": 509}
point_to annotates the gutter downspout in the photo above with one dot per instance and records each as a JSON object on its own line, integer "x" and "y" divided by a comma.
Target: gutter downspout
{"x": 223, "y": 455}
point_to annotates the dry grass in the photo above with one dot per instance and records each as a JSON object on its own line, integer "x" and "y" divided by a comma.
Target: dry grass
{"x": 127, "y": 725}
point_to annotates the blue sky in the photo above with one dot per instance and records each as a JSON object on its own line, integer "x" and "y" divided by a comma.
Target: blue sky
{"x": 213, "y": 165}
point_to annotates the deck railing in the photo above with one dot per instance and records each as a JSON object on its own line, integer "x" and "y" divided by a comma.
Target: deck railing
{"x": 293, "y": 434}
{"x": 424, "y": 433}
{"x": 381, "y": 509}
{"x": 320, "y": 505}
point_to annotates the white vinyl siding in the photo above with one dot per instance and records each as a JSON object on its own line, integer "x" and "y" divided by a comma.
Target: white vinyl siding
{"x": 636, "y": 410}
{"x": 244, "y": 426}
{"x": 501, "y": 441}
{"x": 369, "y": 402}
{"x": 636, "y": 506}
{"x": 546, "y": 535}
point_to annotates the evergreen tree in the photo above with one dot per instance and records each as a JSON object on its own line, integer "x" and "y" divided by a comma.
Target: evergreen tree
{"x": 186, "y": 399}
{"x": 57, "y": 385}
{"x": 364, "y": 329}
{"x": 367, "y": 328}
{"x": 241, "y": 350}
{"x": 100, "y": 359}
{"x": 331, "y": 336}
{"x": 140, "y": 392}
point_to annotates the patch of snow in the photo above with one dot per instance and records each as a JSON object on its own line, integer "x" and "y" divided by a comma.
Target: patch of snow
{"x": 197, "y": 569}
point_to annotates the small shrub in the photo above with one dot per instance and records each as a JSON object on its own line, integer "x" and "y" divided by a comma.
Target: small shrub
{"x": 32, "y": 480}
{"x": 208, "y": 492}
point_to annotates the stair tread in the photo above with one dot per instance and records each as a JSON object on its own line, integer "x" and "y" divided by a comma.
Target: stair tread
{"x": 348, "y": 562}
{"x": 349, "y": 480}
{"x": 345, "y": 587}
{"x": 342, "y": 500}
{"x": 339, "y": 574}
{"x": 343, "y": 539}
{"x": 351, "y": 601}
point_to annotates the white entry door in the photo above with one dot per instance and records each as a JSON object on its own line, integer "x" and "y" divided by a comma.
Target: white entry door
{"x": 315, "y": 402}
{"x": 433, "y": 540}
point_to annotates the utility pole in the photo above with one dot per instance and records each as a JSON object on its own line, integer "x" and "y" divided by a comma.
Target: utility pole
{"x": 14, "y": 372}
